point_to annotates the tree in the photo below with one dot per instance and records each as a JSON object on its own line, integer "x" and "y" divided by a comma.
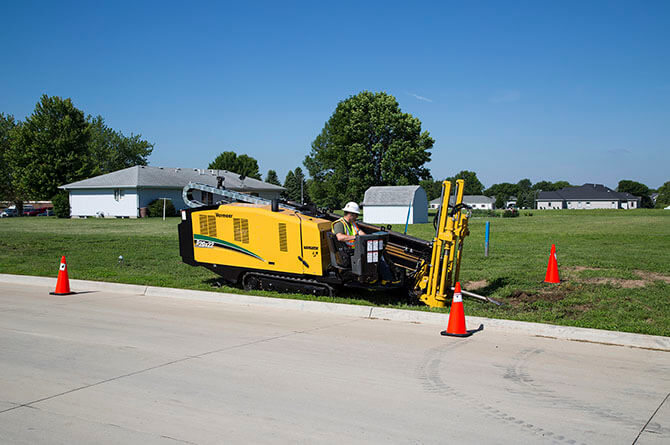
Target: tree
{"x": 525, "y": 196}
{"x": 243, "y": 165}
{"x": 637, "y": 189}
{"x": 292, "y": 185}
{"x": 272, "y": 178}
{"x": 663, "y": 199}
{"x": 111, "y": 150}
{"x": 472, "y": 184}
{"x": 367, "y": 141}
{"x": 433, "y": 188}
{"x": 51, "y": 148}
{"x": 502, "y": 192}
{"x": 8, "y": 128}
{"x": 548, "y": 186}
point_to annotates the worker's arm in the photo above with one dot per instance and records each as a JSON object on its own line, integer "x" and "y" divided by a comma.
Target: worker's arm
{"x": 338, "y": 229}
{"x": 343, "y": 237}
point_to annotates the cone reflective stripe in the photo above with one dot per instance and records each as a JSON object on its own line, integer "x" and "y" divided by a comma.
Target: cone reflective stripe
{"x": 456, "y": 326}
{"x": 63, "y": 281}
{"x": 552, "y": 268}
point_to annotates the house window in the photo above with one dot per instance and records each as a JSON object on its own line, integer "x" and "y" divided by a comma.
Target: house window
{"x": 118, "y": 194}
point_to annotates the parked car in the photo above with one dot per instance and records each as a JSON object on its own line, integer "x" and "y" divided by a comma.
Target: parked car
{"x": 7, "y": 213}
{"x": 32, "y": 211}
{"x": 46, "y": 212}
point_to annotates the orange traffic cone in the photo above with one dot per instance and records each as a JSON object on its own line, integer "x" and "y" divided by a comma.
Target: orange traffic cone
{"x": 456, "y": 326}
{"x": 552, "y": 268}
{"x": 63, "y": 282}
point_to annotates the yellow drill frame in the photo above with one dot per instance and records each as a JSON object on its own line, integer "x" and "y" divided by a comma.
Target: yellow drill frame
{"x": 435, "y": 280}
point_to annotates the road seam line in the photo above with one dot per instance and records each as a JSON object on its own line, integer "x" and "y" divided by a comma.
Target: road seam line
{"x": 652, "y": 416}
{"x": 172, "y": 362}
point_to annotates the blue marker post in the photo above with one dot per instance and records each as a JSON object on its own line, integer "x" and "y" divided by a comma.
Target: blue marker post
{"x": 486, "y": 238}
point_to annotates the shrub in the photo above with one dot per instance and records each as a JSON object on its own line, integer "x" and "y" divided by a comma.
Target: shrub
{"x": 510, "y": 213}
{"x": 483, "y": 212}
{"x": 61, "y": 203}
{"x": 156, "y": 208}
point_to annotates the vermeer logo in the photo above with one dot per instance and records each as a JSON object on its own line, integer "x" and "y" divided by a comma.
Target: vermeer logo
{"x": 203, "y": 243}
{"x": 311, "y": 248}
{"x": 223, "y": 215}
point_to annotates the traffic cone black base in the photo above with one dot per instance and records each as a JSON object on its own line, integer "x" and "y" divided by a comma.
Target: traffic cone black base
{"x": 67, "y": 293}
{"x": 467, "y": 334}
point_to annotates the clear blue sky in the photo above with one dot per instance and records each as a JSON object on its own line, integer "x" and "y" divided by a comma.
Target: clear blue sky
{"x": 546, "y": 90}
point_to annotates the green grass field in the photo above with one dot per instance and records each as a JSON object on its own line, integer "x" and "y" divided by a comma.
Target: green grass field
{"x": 615, "y": 265}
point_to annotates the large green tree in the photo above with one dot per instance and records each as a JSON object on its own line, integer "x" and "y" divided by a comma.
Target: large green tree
{"x": 112, "y": 150}
{"x": 272, "y": 178}
{"x": 367, "y": 141}
{"x": 472, "y": 184}
{"x": 663, "y": 199}
{"x": 637, "y": 189}
{"x": 243, "y": 164}
{"x": 8, "y": 128}
{"x": 51, "y": 148}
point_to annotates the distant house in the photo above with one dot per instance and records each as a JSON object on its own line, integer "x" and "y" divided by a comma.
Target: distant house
{"x": 587, "y": 196}
{"x": 124, "y": 192}
{"x": 510, "y": 203}
{"x": 391, "y": 204}
{"x": 435, "y": 203}
{"x": 473, "y": 201}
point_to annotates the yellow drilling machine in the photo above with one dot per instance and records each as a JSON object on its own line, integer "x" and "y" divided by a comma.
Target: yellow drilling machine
{"x": 287, "y": 247}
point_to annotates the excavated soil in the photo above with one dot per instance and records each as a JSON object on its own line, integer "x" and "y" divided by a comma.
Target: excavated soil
{"x": 518, "y": 297}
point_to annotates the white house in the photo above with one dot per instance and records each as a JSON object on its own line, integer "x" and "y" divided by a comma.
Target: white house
{"x": 587, "y": 196}
{"x": 392, "y": 204}
{"x": 473, "y": 201}
{"x": 124, "y": 192}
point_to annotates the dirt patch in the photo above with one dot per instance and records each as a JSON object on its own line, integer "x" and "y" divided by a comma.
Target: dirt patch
{"x": 581, "y": 268}
{"x": 652, "y": 276}
{"x": 519, "y": 297}
{"x": 474, "y": 285}
{"x": 626, "y": 284}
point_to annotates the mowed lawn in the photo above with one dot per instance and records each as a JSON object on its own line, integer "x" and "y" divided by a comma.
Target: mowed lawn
{"x": 614, "y": 265}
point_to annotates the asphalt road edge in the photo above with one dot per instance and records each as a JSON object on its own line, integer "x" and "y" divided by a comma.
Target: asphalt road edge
{"x": 616, "y": 338}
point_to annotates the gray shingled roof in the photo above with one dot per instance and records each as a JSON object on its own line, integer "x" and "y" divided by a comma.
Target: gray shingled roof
{"x": 163, "y": 177}
{"x": 391, "y": 195}
{"x": 473, "y": 199}
{"x": 592, "y": 192}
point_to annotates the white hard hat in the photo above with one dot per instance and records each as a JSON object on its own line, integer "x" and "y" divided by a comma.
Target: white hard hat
{"x": 352, "y": 207}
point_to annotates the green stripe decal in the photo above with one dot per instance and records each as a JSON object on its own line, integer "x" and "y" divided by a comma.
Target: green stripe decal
{"x": 226, "y": 245}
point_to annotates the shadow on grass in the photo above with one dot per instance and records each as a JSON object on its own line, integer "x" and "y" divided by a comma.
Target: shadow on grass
{"x": 493, "y": 286}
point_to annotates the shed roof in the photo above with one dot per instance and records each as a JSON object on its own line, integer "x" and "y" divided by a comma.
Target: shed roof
{"x": 144, "y": 176}
{"x": 392, "y": 195}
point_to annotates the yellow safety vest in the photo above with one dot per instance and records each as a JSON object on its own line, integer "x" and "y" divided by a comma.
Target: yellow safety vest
{"x": 349, "y": 229}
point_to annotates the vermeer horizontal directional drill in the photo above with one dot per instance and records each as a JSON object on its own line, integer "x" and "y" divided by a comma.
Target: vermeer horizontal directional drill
{"x": 287, "y": 247}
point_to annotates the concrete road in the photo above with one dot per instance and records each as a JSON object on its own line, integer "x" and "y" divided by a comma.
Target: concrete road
{"x": 100, "y": 367}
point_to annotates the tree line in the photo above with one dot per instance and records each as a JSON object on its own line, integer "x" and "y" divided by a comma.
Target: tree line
{"x": 58, "y": 144}
{"x": 367, "y": 141}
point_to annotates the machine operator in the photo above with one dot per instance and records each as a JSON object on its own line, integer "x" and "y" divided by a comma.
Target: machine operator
{"x": 345, "y": 228}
